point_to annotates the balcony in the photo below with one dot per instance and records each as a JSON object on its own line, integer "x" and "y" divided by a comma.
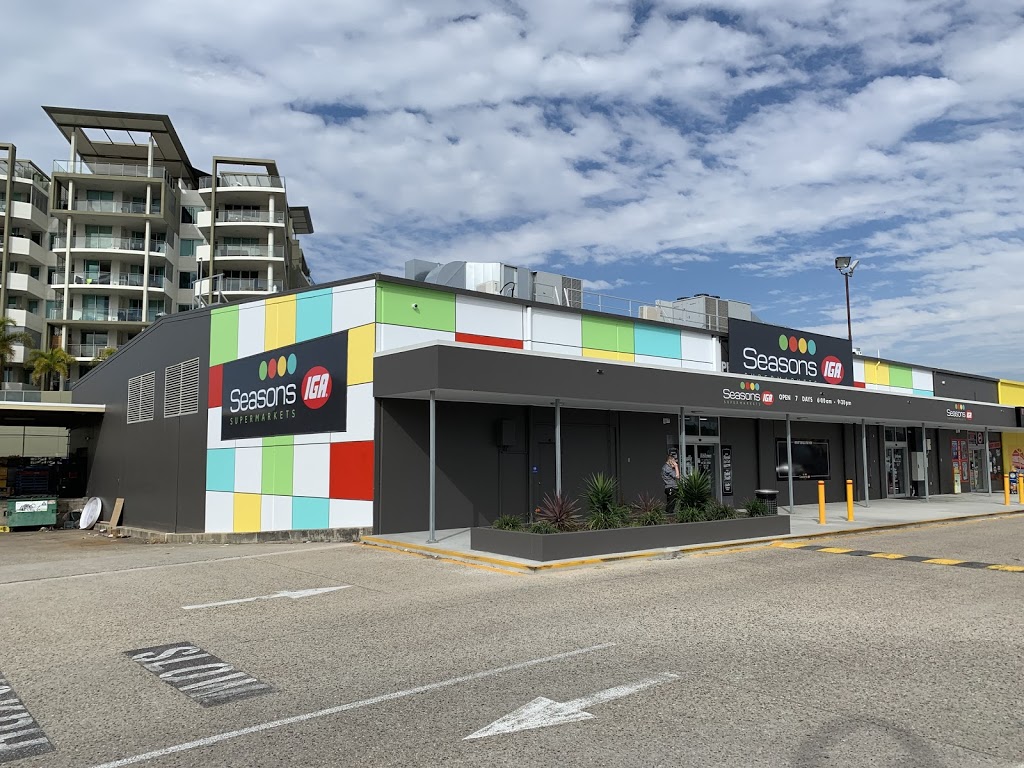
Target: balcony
{"x": 108, "y": 206}
{"x": 120, "y": 170}
{"x": 26, "y": 249}
{"x": 88, "y": 351}
{"x": 258, "y": 181}
{"x": 26, "y": 171}
{"x": 228, "y": 218}
{"x": 11, "y": 395}
{"x": 112, "y": 279}
{"x": 27, "y": 212}
{"x": 54, "y": 312}
{"x": 103, "y": 243}
{"x": 19, "y": 282}
{"x": 241, "y": 252}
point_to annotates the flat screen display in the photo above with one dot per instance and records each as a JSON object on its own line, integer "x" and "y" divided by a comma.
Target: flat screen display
{"x": 810, "y": 460}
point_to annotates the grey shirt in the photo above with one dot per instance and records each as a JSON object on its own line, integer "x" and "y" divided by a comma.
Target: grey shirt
{"x": 669, "y": 476}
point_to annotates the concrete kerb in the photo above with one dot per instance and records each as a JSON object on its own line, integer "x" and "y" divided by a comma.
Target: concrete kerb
{"x": 513, "y": 566}
{"x": 329, "y": 535}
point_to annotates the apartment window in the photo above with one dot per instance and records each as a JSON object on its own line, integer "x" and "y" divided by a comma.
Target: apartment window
{"x": 33, "y": 306}
{"x": 190, "y": 213}
{"x": 184, "y": 307}
{"x": 188, "y": 247}
{"x": 141, "y": 397}
{"x": 13, "y": 267}
{"x": 99, "y": 194}
{"x": 98, "y": 237}
{"x": 33, "y": 272}
{"x": 186, "y": 279}
{"x": 181, "y": 389}
{"x": 12, "y": 302}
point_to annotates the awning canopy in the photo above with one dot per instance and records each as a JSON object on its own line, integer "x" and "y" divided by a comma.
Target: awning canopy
{"x": 67, "y": 415}
{"x": 479, "y": 374}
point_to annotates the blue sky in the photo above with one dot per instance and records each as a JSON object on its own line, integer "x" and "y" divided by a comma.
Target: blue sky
{"x": 654, "y": 149}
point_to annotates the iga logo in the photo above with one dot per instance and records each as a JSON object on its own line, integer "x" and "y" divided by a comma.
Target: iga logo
{"x": 768, "y": 398}
{"x": 832, "y": 369}
{"x": 316, "y": 387}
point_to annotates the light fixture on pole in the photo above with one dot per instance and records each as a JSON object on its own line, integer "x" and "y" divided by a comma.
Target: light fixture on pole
{"x": 846, "y": 267}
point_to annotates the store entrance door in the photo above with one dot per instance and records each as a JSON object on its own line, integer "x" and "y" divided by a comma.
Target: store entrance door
{"x": 704, "y": 458}
{"x": 896, "y": 471}
{"x": 978, "y": 469}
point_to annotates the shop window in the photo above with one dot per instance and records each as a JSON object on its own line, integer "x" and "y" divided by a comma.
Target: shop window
{"x": 810, "y": 460}
{"x": 702, "y": 426}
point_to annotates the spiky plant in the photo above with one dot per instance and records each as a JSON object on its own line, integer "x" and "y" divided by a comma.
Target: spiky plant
{"x": 560, "y": 511}
{"x": 694, "y": 489}
{"x": 508, "y": 523}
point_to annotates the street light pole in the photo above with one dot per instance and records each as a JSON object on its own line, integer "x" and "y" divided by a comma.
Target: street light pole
{"x": 846, "y": 266}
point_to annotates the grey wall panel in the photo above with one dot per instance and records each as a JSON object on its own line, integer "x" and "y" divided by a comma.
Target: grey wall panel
{"x": 158, "y": 466}
{"x": 644, "y": 442}
{"x": 957, "y": 386}
{"x": 741, "y": 436}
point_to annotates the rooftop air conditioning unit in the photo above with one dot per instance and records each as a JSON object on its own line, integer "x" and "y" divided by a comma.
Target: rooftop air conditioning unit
{"x": 650, "y": 313}
{"x": 489, "y": 286}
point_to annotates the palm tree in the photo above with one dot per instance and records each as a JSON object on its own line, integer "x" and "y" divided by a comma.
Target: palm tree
{"x": 104, "y": 353}
{"x": 44, "y": 364}
{"x": 8, "y": 339}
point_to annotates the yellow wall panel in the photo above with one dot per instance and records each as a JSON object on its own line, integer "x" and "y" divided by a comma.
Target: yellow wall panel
{"x": 361, "y": 346}
{"x": 606, "y": 355}
{"x": 1013, "y": 451}
{"x": 1011, "y": 392}
{"x": 247, "y": 512}
{"x": 280, "y": 322}
{"x": 881, "y": 373}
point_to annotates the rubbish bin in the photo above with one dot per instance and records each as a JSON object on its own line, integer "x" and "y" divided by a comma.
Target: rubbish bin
{"x": 770, "y": 497}
{"x": 31, "y": 511}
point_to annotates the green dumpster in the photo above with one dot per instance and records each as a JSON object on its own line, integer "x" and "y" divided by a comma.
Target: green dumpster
{"x": 31, "y": 511}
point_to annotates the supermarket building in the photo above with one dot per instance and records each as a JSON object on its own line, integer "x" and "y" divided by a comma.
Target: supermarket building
{"x": 342, "y": 406}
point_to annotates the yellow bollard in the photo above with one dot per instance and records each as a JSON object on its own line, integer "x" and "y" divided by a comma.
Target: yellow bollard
{"x": 849, "y": 501}
{"x": 821, "y": 502}
{"x": 1006, "y": 489}
{"x": 1020, "y": 489}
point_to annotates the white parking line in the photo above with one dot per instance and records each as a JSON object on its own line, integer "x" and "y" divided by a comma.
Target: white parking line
{"x": 93, "y": 574}
{"x": 217, "y": 738}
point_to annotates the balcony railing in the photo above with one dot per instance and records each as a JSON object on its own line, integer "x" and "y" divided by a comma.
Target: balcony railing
{"x": 128, "y": 279}
{"x": 103, "y": 243}
{"x": 108, "y": 206}
{"x": 55, "y": 312}
{"x": 26, "y": 171}
{"x": 248, "y": 252}
{"x": 11, "y": 395}
{"x": 88, "y": 350}
{"x": 250, "y": 217}
{"x": 243, "y": 180}
{"x": 111, "y": 169}
{"x": 246, "y": 284}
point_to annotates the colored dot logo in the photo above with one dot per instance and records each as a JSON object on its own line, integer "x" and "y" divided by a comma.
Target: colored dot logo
{"x": 278, "y": 367}
{"x": 749, "y": 386}
{"x": 793, "y": 344}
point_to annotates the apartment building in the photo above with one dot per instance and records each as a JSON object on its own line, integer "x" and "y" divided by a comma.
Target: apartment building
{"x": 136, "y": 232}
{"x": 24, "y": 221}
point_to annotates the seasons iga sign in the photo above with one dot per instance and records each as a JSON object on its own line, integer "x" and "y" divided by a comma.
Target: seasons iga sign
{"x": 756, "y": 349}
{"x": 293, "y": 390}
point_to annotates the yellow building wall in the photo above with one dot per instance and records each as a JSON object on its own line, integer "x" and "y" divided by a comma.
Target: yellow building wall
{"x": 1011, "y": 392}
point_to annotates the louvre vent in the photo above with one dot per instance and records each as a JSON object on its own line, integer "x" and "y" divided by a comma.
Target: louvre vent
{"x": 142, "y": 397}
{"x": 181, "y": 389}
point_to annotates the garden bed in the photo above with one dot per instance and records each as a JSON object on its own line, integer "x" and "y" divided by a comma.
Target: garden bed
{"x": 563, "y": 546}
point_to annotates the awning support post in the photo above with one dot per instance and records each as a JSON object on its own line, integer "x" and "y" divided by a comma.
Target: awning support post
{"x": 558, "y": 447}
{"x": 924, "y": 450}
{"x": 433, "y": 468}
{"x": 789, "y": 461}
{"x": 864, "y": 457}
{"x": 681, "y": 458}
{"x": 988, "y": 463}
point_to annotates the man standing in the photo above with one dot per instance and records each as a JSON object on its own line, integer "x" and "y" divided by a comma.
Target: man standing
{"x": 670, "y": 477}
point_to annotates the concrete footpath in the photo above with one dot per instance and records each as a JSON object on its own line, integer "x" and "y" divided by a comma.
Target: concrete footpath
{"x": 881, "y": 514}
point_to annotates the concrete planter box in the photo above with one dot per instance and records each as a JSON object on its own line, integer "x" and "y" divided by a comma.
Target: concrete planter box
{"x": 564, "y": 546}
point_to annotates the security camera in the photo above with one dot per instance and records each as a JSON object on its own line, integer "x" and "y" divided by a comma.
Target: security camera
{"x": 415, "y": 306}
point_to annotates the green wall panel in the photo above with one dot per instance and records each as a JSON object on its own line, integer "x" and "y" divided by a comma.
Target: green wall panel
{"x": 608, "y": 334}
{"x": 434, "y": 309}
{"x": 901, "y": 377}
{"x": 223, "y": 335}
{"x": 278, "y": 461}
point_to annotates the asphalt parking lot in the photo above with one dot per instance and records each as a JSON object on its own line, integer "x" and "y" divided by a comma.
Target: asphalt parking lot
{"x": 116, "y": 653}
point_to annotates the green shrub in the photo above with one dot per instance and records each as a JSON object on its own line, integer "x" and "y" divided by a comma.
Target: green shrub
{"x": 561, "y": 512}
{"x": 648, "y": 510}
{"x": 694, "y": 490}
{"x": 601, "y": 492}
{"x": 691, "y": 514}
{"x": 600, "y": 520}
{"x": 508, "y": 523}
{"x": 718, "y": 511}
{"x": 756, "y": 508}
{"x": 543, "y": 526}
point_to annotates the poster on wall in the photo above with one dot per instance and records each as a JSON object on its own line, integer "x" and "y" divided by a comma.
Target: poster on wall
{"x": 956, "y": 478}
{"x": 956, "y": 450}
{"x": 726, "y": 470}
{"x": 295, "y": 390}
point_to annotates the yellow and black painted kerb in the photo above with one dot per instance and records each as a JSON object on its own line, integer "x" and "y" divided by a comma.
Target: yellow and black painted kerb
{"x": 894, "y": 556}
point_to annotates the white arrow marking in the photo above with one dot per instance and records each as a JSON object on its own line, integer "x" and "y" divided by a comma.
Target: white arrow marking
{"x": 542, "y": 712}
{"x": 293, "y": 595}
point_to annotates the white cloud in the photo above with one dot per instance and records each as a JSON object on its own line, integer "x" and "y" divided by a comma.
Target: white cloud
{"x": 765, "y": 135}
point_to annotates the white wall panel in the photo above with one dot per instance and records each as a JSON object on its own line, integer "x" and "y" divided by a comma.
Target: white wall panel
{"x": 220, "y": 512}
{"x": 923, "y": 379}
{"x": 311, "y": 473}
{"x": 556, "y": 349}
{"x": 345, "y": 513}
{"x": 248, "y": 470}
{"x": 252, "y": 325}
{"x": 359, "y": 419}
{"x": 696, "y": 365}
{"x": 858, "y": 370}
{"x": 353, "y": 305}
{"x": 397, "y": 336}
{"x": 700, "y": 348}
{"x": 557, "y": 328}
{"x": 660, "y": 362}
{"x": 276, "y": 513}
{"x": 488, "y": 317}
